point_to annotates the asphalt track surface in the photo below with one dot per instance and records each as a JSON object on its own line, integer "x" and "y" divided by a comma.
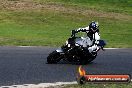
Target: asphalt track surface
{"x": 27, "y": 65}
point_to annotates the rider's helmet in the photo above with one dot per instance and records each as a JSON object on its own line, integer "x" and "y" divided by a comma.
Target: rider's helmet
{"x": 93, "y": 27}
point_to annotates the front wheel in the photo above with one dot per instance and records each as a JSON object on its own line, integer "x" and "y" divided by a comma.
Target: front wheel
{"x": 53, "y": 57}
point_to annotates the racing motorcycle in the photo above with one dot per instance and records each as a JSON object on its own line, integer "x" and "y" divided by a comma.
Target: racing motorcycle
{"x": 75, "y": 50}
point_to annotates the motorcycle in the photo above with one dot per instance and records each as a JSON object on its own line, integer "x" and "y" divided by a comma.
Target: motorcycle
{"x": 75, "y": 50}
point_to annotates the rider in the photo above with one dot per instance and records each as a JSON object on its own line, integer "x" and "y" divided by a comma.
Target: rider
{"x": 93, "y": 36}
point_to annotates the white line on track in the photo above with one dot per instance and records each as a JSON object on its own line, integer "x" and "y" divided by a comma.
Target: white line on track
{"x": 26, "y": 46}
{"x": 40, "y": 85}
{"x": 46, "y": 46}
{"x": 112, "y": 48}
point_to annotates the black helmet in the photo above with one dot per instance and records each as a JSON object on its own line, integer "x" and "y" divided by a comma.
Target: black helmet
{"x": 93, "y": 27}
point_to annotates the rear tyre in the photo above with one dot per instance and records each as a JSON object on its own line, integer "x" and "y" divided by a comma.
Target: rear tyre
{"x": 53, "y": 58}
{"x": 83, "y": 62}
{"x": 93, "y": 56}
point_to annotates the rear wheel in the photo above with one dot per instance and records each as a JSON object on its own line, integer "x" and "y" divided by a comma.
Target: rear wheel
{"x": 83, "y": 62}
{"x": 93, "y": 56}
{"x": 80, "y": 60}
{"x": 53, "y": 57}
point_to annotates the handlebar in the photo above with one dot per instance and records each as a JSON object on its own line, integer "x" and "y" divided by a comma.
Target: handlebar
{"x": 77, "y": 31}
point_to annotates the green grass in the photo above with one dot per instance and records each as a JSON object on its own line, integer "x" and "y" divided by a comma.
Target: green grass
{"x": 49, "y": 22}
{"x": 90, "y": 85}
{"x": 119, "y": 6}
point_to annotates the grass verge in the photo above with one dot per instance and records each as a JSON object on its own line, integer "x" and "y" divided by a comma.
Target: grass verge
{"x": 49, "y": 22}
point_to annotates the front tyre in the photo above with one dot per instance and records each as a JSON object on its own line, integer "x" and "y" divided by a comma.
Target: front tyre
{"x": 53, "y": 57}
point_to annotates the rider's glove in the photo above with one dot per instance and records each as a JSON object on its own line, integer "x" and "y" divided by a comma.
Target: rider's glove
{"x": 73, "y": 33}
